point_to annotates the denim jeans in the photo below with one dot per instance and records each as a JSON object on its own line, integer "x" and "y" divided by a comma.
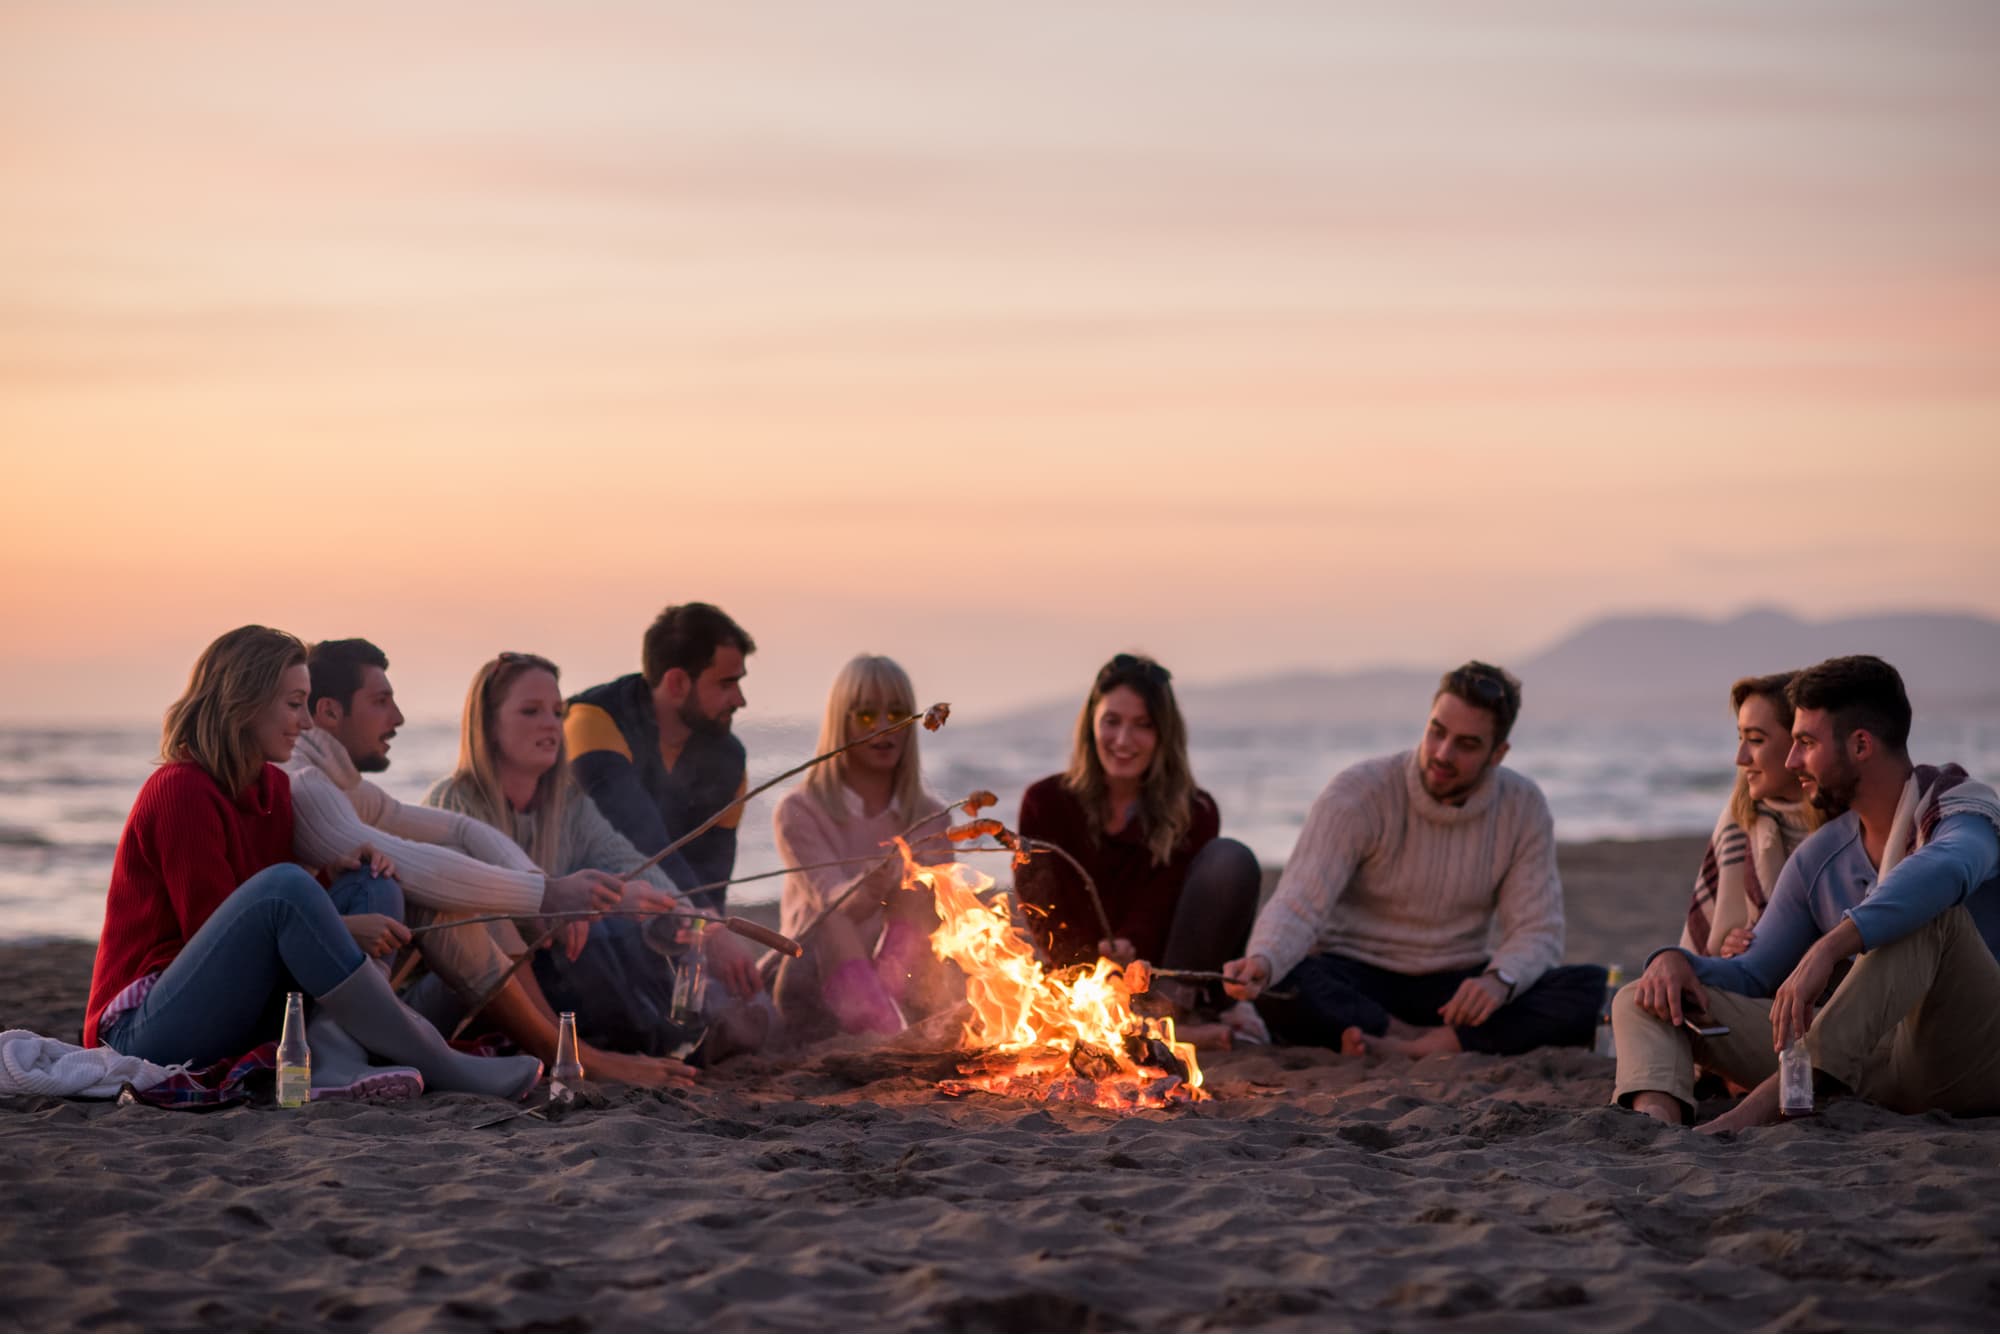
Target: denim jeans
{"x": 1335, "y": 992}
{"x": 225, "y": 992}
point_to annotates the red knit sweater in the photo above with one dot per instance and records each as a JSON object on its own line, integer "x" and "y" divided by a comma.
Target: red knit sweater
{"x": 186, "y": 847}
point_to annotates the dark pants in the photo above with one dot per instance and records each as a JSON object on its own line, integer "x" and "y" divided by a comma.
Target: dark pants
{"x": 1217, "y": 907}
{"x": 1336, "y": 993}
{"x": 620, "y": 988}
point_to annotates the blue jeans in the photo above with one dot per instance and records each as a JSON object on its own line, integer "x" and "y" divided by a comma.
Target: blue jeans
{"x": 224, "y": 993}
{"x": 1335, "y": 992}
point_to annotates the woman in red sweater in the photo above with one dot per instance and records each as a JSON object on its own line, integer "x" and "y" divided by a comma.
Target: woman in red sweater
{"x": 1128, "y": 810}
{"x": 208, "y": 924}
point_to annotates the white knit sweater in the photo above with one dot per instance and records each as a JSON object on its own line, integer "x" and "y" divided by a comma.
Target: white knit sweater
{"x": 443, "y": 860}
{"x": 1385, "y": 873}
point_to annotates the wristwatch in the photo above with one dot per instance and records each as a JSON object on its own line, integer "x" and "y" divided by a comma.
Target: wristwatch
{"x": 1506, "y": 981}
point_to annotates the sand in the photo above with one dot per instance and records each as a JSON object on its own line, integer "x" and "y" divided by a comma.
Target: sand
{"x": 844, "y": 1192}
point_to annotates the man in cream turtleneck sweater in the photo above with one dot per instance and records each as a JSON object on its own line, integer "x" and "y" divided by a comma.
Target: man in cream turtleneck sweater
{"x": 1420, "y": 911}
{"x": 447, "y": 863}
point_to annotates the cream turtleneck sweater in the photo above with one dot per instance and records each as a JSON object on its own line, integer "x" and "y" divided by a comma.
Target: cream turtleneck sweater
{"x": 1385, "y": 873}
{"x": 443, "y": 860}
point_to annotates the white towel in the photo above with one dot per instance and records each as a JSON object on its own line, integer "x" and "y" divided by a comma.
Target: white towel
{"x": 32, "y": 1064}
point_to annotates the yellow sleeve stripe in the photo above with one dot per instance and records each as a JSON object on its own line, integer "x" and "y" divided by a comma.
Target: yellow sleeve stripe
{"x": 587, "y": 728}
{"x": 734, "y": 816}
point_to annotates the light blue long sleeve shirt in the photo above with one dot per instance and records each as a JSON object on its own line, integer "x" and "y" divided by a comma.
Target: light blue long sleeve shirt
{"x": 1829, "y": 877}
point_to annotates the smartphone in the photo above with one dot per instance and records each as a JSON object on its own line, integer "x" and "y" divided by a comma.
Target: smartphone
{"x": 1703, "y": 1026}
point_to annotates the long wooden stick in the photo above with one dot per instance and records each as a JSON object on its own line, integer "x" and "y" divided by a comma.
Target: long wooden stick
{"x": 971, "y": 803}
{"x": 932, "y": 719}
{"x": 740, "y": 926}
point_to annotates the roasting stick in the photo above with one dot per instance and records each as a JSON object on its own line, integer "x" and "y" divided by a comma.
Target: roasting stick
{"x": 932, "y": 719}
{"x": 1139, "y": 977}
{"x": 1022, "y": 847}
{"x": 740, "y": 926}
{"x": 762, "y": 935}
{"x": 971, "y": 803}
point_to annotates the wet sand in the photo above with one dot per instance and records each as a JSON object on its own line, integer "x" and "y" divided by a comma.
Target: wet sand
{"x": 1313, "y": 1192}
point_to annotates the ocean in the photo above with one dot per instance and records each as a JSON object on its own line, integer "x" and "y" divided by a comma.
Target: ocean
{"x": 64, "y": 791}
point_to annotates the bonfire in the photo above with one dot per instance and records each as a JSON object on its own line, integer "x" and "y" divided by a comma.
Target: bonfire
{"x": 1070, "y": 1034}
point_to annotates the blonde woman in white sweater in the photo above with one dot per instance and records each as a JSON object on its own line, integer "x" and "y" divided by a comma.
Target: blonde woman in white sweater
{"x": 1421, "y": 911}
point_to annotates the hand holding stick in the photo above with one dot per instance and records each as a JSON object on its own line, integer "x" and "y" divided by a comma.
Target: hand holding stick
{"x": 742, "y": 927}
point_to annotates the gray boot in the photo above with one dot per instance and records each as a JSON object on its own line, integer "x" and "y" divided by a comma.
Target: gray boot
{"x": 341, "y": 1069}
{"x": 364, "y": 1006}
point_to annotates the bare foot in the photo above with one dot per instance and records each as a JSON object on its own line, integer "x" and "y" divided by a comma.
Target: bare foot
{"x": 1425, "y": 1043}
{"x": 1210, "y": 1037}
{"x": 1660, "y": 1107}
{"x": 630, "y": 1068}
{"x": 1758, "y": 1108}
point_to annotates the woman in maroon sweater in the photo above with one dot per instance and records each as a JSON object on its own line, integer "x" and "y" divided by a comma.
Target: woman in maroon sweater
{"x": 1128, "y": 810}
{"x": 208, "y": 924}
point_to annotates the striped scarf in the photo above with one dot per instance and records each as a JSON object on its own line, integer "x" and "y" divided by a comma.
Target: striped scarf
{"x": 1931, "y": 793}
{"x": 1739, "y": 869}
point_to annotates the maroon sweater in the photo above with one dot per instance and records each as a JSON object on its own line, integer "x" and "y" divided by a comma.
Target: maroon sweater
{"x": 1139, "y": 895}
{"x": 186, "y": 847}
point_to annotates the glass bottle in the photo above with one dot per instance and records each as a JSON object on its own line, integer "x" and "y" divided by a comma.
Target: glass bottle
{"x": 689, "y": 1012}
{"x": 294, "y": 1057}
{"x": 1795, "y": 1081}
{"x": 1606, "y": 1045}
{"x": 568, "y": 1070}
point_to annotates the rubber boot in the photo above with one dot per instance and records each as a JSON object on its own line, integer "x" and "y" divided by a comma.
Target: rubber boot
{"x": 364, "y": 1006}
{"x": 900, "y": 953}
{"x": 857, "y": 1001}
{"x": 341, "y": 1069}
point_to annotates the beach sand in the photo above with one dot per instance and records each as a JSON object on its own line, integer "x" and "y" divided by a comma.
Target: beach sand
{"x": 844, "y": 1192}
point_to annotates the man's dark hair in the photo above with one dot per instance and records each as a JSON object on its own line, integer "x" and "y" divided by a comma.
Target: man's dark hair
{"x": 336, "y": 669}
{"x": 1859, "y": 692}
{"x": 686, "y": 636}
{"x": 1483, "y": 686}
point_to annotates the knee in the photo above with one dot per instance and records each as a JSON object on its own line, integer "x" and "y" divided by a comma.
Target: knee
{"x": 1626, "y": 1010}
{"x": 361, "y": 891}
{"x": 1227, "y": 866}
{"x": 288, "y": 884}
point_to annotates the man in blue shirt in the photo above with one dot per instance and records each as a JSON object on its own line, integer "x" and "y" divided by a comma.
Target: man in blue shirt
{"x": 1905, "y": 882}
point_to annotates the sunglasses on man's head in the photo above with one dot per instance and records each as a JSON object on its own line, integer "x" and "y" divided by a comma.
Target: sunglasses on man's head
{"x": 1485, "y": 689}
{"x": 1131, "y": 665}
{"x": 870, "y": 719}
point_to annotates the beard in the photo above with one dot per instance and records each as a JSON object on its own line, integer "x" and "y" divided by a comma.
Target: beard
{"x": 373, "y": 763}
{"x": 1458, "y": 790}
{"x": 1834, "y": 793}
{"x": 700, "y": 724}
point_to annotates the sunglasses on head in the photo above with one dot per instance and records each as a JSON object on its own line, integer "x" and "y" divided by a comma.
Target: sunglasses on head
{"x": 1126, "y": 666}
{"x": 1485, "y": 689}
{"x": 869, "y": 719}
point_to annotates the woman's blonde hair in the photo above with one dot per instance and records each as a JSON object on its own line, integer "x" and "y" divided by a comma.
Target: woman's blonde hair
{"x": 1743, "y": 807}
{"x": 214, "y": 722}
{"x": 1166, "y": 793}
{"x": 477, "y": 779}
{"x": 867, "y": 679}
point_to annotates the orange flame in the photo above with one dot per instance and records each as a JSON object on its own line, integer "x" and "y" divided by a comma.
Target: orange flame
{"x": 1048, "y": 1019}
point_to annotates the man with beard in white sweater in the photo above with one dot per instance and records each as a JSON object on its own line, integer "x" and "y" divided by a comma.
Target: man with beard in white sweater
{"x": 1421, "y": 911}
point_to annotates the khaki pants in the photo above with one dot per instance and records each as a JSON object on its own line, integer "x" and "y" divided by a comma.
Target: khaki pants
{"x": 1655, "y": 1054}
{"x": 1916, "y": 1025}
{"x": 471, "y": 958}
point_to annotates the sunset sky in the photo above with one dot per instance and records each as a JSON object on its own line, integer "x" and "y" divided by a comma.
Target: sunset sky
{"x": 997, "y": 340}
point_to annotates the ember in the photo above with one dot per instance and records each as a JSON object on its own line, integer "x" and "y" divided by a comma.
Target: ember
{"x": 1067, "y": 1035}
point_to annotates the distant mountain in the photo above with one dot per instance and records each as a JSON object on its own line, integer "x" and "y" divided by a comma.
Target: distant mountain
{"x": 1675, "y": 666}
